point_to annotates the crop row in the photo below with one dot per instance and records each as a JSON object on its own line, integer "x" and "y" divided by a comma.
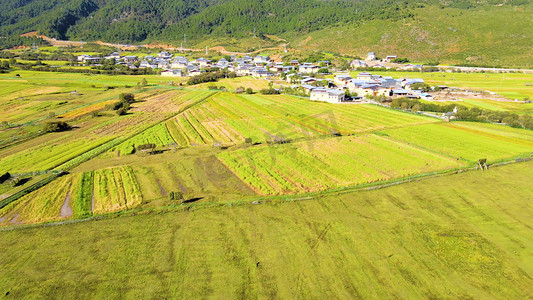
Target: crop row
{"x": 468, "y": 143}
{"x": 330, "y": 163}
{"x": 115, "y": 189}
{"x": 157, "y": 135}
{"x": 48, "y": 157}
{"x": 231, "y": 118}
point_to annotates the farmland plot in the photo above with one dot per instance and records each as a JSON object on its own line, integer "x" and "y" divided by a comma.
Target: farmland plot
{"x": 231, "y": 118}
{"x": 115, "y": 189}
{"x": 467, "y": 142}
{"x": 41, "y": 205}
{"x": 198, "y": 177}
{"x": 157, "y": 135}
{"x": 47, "y": 157}
{"x": 330, "y": 163}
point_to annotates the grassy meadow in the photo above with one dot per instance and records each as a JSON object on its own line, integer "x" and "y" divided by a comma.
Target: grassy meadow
{"x": 447, "y": 35}
{"x": 458, "y": 236}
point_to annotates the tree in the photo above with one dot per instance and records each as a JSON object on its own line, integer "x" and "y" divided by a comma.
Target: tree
{"x": 55, "y": 126}
{"x": 127, "y": 97}
{"x": 249, "y": 91}
{"x": 121, "y": 112}
{"x": 424, "y": 87}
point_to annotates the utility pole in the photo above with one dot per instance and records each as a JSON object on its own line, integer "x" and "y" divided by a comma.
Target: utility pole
{"x": 181, "y": 47}
{"x": 184, "y": 39}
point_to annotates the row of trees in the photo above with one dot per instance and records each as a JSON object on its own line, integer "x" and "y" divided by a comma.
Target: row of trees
{"x": 211, "y": 75}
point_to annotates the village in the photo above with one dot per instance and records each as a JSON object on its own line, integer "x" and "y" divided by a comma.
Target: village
{"x": 306, "y": 77}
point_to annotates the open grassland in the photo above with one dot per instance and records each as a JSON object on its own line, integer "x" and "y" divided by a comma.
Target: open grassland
{"x": 494, "y": 35}
{"x": 460, "y": 236}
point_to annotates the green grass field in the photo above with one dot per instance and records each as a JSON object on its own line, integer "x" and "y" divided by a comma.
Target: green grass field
{"x": 510, "y": 85}
{"x": 459, "y": 236}
{"x": 448, "y": 35}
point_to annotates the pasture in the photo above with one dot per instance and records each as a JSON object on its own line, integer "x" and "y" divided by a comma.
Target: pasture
{"x": 460, "y": 236}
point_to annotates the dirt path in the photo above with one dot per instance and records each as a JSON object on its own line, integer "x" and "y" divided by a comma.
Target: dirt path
{"x": 92, "y": 201}
{"x": 66, "y": 211}
{"x": 221, "y": 49}
{"x": 15, "y": 220}
{"x": 163, "y": 192}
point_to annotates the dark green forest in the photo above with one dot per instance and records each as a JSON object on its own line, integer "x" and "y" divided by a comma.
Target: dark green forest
{"x": 168, "y": 20}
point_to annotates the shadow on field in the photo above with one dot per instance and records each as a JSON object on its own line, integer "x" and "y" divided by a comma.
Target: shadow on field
{"x": 193, "y": 200}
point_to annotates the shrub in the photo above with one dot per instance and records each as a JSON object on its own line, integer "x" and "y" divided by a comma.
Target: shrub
{"x": 176, "y": 196}
{"x": 127, "y": 98}
{"x": 55, "y": 126}
{"x": 269, "y": 91}
{"x": 121, "y": 112}
{"x": 249, "y": 91}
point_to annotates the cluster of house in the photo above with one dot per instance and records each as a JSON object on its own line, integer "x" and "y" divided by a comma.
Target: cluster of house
{"x": 178, "y": 66}
{"x": 364, "y": 85}
{"x": 258, "y": 66}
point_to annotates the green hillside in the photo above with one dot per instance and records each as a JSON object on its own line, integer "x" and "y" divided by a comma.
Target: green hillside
{"x": 453, "y": 237}
{"x": 488, "y": 32}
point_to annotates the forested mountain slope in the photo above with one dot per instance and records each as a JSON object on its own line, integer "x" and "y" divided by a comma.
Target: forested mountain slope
{"x": 380, "y": 23}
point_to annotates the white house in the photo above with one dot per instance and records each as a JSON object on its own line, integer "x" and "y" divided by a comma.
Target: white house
{"x": 308, "y": 68}
{"x": 342, "y": 79}
{"x": 365, "y": 76}
{"x": 327, "y": 95}
{"x": 371, "y": 56}
{"x": 261, "y": 59}
{"x": 172, "y": 73}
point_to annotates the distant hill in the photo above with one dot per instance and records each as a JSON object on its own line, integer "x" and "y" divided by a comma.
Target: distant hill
{"x": 491, "y": 32}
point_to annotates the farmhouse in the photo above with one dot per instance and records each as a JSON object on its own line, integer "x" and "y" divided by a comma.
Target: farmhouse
{"x": 308, "y": 68}
{"x": 341, "y": 79}
{"x": 371, "y": 56}
{"x": 327, "y": 95}
{"x": 172, "y": 73}
{"x": 390, "y": 58}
